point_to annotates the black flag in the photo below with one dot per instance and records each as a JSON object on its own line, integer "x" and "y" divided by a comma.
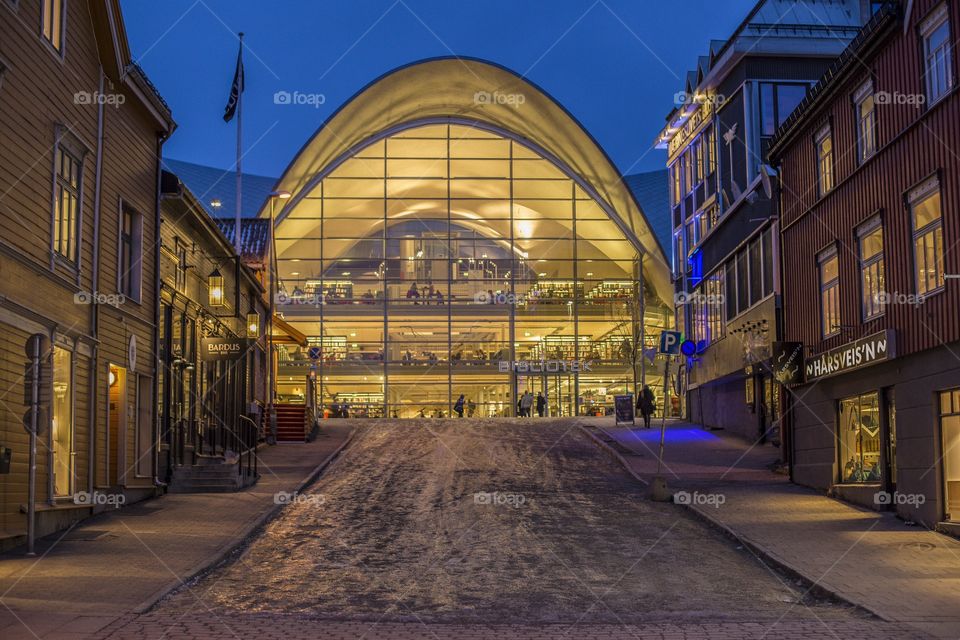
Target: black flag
{"x": 236, "y": 89}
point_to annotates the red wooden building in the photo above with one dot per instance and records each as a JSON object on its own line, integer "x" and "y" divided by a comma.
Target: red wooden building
{"x": 870, "y": 181}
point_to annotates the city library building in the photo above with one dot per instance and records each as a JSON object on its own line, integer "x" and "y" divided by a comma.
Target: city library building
{"x": 452, "y": 230}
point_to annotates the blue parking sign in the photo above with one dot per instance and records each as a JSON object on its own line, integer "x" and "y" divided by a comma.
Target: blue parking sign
{"x": 670, "y": 342}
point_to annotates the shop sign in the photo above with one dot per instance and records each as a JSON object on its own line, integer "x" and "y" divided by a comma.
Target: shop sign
{"x": 546, "y": 366}
{"x": 219, "y": 349}
{"x": 851, "y": 356}
{"x": 787, "y": 362}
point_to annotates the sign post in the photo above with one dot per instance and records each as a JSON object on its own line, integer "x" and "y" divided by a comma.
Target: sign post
{"x": 670, "y": 342}
{"x": 623, "y": 411}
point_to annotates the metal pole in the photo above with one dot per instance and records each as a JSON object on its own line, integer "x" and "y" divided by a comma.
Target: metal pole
{"x": 242, "y": 81}
{"x": 34, "y": 425}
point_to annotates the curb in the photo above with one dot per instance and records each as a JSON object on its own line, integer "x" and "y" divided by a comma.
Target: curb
{"x": 613, "y": 453}
{"x": 812, "y": 587}
{"x": 230, "y": 545}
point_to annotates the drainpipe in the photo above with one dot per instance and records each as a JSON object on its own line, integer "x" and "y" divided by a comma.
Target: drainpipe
{"x": 156, "y": 311}
{"x": 94, "y": 306}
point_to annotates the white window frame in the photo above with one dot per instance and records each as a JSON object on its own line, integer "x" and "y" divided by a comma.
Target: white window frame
{"x": 46, "y": 6}
{"x": 871, "y": 309}
{"x": 866, "y": 125}
{"x": 833, "y": 284}
{"x": 916, "y": 195}
{"x": 825, "y": 160}
{"x": 939, "y": 59}
{"x": 134, "y": 291}
{"x": 66, "y": 144}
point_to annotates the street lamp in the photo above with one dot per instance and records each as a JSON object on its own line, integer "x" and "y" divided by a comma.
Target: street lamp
{"x": 215, "y": 288}
{"x": 253, "y": 325}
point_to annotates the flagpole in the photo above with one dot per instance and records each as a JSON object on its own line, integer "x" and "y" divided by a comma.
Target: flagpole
{"x": 239, "y": 151}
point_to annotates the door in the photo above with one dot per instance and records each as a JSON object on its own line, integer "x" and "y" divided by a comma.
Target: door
{"x": 116, "y": 425}
{"x": 950, "y": 437}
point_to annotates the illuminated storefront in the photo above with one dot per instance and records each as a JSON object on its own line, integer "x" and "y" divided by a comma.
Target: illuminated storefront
{"x": 452, "y": 230}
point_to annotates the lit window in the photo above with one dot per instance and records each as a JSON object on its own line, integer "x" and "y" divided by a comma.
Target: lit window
{"x": 859, "y": 432}
{"x": 824, "y": 145}
{"x": 870, "y": 241}
{"x": 53, "y": 18}
{"x": 62, "y": 435}
{"x": 131, "y": 250}
{"x": 711, "y": 150}
{"x": 829, "y": 267}
{"x": 937, "y": 52}
{"x": 688, "y": 171}
{"x": 866, "y": 113}
{"x": 927, "y": 226}
{"x": 66, "y": 204}
{"x": 675, "y": 172}
{"x": 698, "y": 162}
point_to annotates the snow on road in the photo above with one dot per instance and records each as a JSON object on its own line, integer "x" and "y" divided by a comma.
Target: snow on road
{"x": 495, "y": 521}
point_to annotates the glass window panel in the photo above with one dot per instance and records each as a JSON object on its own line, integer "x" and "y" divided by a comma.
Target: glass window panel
{"x": 480, "y": 168}
{"x": 410, "y": 148}
{"x": 537, "y": 169}
{"x": 431, "y": 168}
{"x": 531, "y": 209}
{"x": 355, "y": 208}
{"x": 496, "y": 148}
{"x": 541, "y": 189}
{"x": 475, "y": 188}
{"x": 359, "y": 168}
{"x": 859, "y": 431}
{"x": 409, "y": 189}
{"x": 352, "y": 188}
{"x": 600, "y": 229}
{"x": 926, "y": 210}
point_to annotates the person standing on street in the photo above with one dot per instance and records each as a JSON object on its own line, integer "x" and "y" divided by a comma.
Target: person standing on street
{"x": 526, "y": 404}
{"x": 646, "y": 405}
{"x": 541, "y": 404}
{"x": 458, "y": 407}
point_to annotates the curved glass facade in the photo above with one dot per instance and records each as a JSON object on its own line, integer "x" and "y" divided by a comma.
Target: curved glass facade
{"x": 448, "y": 259}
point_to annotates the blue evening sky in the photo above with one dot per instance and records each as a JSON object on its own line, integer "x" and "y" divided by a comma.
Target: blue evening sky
{"x": 614, "y": 64}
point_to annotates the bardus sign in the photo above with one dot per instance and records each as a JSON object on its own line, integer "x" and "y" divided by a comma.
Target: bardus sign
{"x": 851, "y": 356}
{"x": 213, "y": 349}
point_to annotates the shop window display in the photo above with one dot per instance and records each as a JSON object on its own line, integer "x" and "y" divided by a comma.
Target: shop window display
{"x": 859, "y": 433}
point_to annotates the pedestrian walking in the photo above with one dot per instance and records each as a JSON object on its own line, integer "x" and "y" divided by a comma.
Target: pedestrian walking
{"x": 541, "y": 404}
{"x": 471, "y": 408}
{"x": 646, "y": 405}
{"x": 458, "y": 407}
{"x": 526, "y": 404}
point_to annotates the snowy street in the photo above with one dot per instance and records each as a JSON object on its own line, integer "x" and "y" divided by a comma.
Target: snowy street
{"x": 491, "y": 521}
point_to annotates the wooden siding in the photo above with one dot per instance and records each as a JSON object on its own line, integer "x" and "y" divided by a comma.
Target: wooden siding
{"x": 38, "y": 95}
{"x": 914, "y": 143}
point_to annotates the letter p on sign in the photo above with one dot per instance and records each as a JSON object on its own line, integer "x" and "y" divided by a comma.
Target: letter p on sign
{"x": 670, "y": 342}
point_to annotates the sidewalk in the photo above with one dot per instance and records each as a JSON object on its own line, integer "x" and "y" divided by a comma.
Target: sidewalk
{"x": 899, "y": 572}
{"x": 124, "y": 561}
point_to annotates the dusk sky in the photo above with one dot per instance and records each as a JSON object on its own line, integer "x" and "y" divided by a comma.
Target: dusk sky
{"x": 614, "y": 64}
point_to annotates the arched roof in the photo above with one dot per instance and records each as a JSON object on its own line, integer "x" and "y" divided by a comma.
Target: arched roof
{"x": 448, "y": 89}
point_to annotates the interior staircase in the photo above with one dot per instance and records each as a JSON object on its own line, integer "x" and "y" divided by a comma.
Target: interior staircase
{"x": 291, "y": 423}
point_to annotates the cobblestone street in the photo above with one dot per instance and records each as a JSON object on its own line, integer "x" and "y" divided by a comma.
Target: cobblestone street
{"x": 487, "y": 522}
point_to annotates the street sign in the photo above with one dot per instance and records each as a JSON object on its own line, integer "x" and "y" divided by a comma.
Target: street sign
{"x": 670, "y": 342}
{"x": 688, "y": 348}
{"x": 315, "y": 353}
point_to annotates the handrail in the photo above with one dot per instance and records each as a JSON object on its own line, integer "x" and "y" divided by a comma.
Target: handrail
{"x": 250, "y": 441}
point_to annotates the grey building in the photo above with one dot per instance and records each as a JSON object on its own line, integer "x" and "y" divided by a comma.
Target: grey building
{"x": 724, "y": 203}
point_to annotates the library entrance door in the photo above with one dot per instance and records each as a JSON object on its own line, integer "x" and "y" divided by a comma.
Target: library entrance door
{"x": 559, "y": 390}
